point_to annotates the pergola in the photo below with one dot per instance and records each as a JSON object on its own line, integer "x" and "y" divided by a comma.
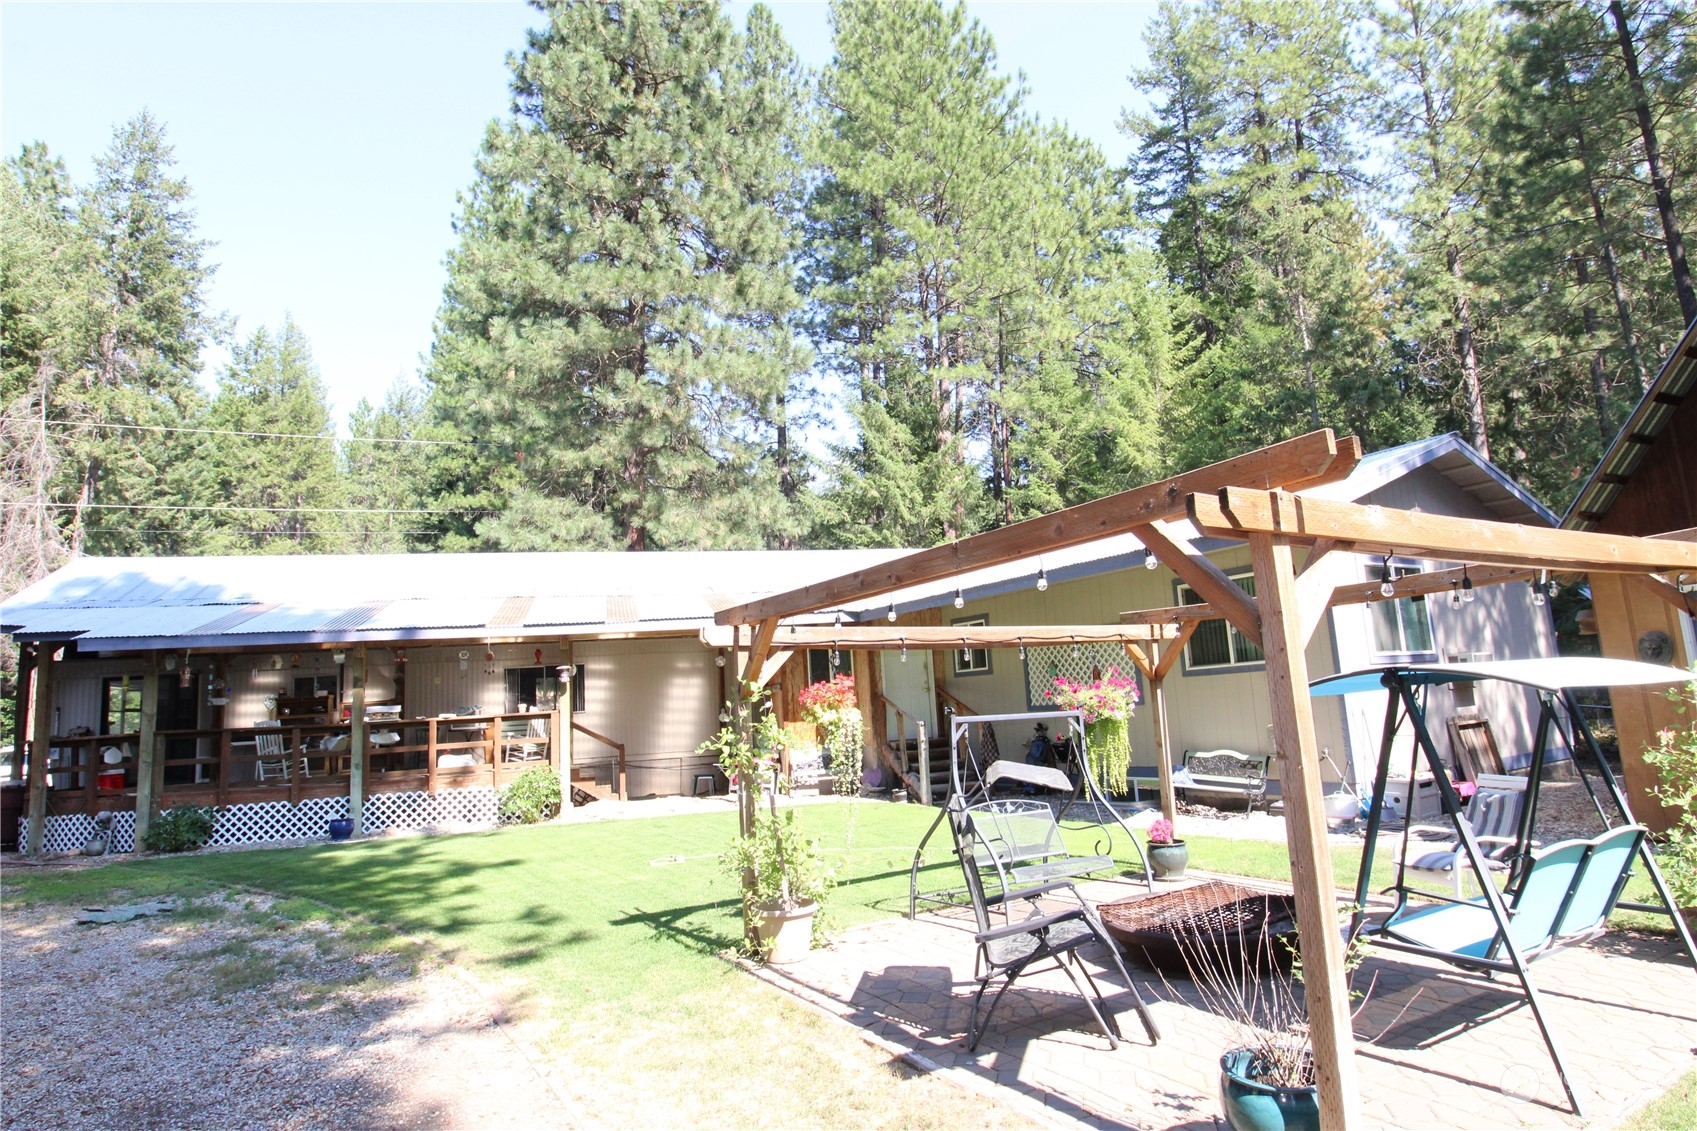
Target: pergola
{"x": 1247, "y": 498}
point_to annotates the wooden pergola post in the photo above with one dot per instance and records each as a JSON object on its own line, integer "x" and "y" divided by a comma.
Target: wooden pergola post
{"x": 150, "y": 768}
{"x": 41, "y": 740}
{"x": 562, "y": 723}
{"x": 1327, "y": 989}
{"x": 356, "y": 743}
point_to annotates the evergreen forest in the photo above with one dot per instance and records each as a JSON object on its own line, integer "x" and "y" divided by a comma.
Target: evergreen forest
{"x": 703, "y": 297}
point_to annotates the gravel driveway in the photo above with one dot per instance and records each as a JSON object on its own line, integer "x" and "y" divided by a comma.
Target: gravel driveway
{"x": 231, "y": 1015}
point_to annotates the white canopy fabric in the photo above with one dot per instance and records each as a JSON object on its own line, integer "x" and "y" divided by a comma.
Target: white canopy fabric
{"x": 1548, "y": 673}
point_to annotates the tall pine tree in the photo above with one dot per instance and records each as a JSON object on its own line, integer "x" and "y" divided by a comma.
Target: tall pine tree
{"x": 616, "y": 321}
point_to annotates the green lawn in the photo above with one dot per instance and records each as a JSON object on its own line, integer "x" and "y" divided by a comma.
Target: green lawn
{"x": 607, "y": 936}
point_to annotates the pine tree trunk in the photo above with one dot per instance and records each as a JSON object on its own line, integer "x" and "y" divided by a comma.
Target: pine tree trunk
{"x": 1682, "y": 284}
{"x": 1623, "y": 311}
{"x": 1468, "y": 355}
{"x": 1599, "y": 368}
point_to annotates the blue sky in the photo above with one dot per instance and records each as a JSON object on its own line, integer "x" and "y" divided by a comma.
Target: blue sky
{"x": 325, "y": 143}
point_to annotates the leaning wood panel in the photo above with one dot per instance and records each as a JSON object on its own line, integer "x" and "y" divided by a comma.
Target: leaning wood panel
{"x": 1237, "y": 513}
{"x": 1318, "y": 457}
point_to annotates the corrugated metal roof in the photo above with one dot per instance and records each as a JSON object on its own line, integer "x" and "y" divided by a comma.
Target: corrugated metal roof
{"x": 1673, "y": 384}
{"x": 119, "y": 603}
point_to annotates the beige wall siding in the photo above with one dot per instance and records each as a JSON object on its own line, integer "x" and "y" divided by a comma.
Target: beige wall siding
{"x": 660, "y": 697}
{"x": 1205, "y": 711}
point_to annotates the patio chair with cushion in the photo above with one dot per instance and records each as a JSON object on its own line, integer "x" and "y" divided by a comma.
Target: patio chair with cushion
{"x": 1029, "y": 934}
{"x": 1493, "y": 814}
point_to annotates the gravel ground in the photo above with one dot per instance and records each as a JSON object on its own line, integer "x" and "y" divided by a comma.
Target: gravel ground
{"x": 227, "y": 1015}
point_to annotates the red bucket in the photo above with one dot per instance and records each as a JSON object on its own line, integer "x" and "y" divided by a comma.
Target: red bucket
{"x": 111, "y": 780}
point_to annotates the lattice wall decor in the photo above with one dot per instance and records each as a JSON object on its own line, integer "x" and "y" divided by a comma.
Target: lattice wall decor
{"x": 413, "y": 811}
{"x": 265, "y": 821}
{"x": 1046, "y": 664}
{"x": 71, "y": 831}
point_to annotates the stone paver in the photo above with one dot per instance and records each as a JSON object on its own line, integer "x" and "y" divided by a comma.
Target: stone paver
{"x": 1437, "y": 1047}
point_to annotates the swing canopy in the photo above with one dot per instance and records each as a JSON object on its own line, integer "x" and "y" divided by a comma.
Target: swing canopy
{"x": 1548, "y": 673}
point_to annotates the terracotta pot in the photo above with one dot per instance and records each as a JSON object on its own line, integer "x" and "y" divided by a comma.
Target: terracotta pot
{"x": 785, "y": 936}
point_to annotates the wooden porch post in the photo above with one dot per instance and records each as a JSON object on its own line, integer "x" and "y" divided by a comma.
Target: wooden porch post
{"x": 20, "y": 709}
{"x": 1163, "y": 741}
{"x": 560, "y": 726}
{"x": 866, "y": 690}
{"x": 41, "y": 737}
{"x": 356, "y": 744}
{"x": 150, "y": 768}
{"x": 1305, "y": 832}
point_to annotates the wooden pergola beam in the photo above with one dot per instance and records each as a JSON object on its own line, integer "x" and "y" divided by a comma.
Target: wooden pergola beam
{"x": 1356, "y": 593}
{"x": 1236, "y": 512}
{"x": 1319, "y": 457}
{"x": 927, "y": 638}
{"x": 1210, "y": 581}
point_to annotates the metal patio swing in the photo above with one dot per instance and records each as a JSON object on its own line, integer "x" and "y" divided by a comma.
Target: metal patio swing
{"x": 1024, "y": 834}
{"x": 1554, "y": 896}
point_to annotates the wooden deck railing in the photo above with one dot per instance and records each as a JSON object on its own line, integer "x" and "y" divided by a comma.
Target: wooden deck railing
{"x": 919, "y": 783}
{"x": 605, "y": 741}
{"x": 222, "y": 764}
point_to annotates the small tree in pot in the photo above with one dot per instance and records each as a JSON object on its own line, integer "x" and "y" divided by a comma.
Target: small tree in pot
{"x": 784, "y": 876}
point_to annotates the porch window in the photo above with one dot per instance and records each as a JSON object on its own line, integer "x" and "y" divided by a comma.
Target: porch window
{"x": 538, "y": 688}
{"x": 122, "y": 697}
{"x": 821, "y": 666}
{"x": 1403, "y": 626}
{"x": 1215, "y": 643}
{"x": 972, "y": 661}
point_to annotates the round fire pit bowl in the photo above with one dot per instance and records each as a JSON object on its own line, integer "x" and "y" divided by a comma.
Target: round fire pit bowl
{"x": 1217, "y": 924}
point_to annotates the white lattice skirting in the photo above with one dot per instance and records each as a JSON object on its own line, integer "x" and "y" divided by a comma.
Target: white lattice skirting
{"x": 259, "y": 822}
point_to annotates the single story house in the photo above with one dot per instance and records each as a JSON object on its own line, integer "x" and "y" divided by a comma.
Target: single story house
{"x": 289, "y": 690}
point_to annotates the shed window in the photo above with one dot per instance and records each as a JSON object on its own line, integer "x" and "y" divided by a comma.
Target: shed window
{"x": 1402, "y": 626}
{"x": 823, "y": 663}
{"x": 1215, "y": 643}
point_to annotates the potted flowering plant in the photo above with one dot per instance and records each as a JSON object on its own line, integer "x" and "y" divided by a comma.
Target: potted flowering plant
{"x": 831, "y": 706}
{"x": 1107, "y": 704}
{"x": 1167, "y": 857}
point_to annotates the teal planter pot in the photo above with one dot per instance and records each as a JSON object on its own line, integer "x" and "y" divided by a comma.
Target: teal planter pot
{"x": 1168, "y": 861}
{"x": 1253, "y": 1106}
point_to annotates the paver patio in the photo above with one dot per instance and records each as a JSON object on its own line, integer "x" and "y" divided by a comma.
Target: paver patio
{"x": 1437, "y": 1047}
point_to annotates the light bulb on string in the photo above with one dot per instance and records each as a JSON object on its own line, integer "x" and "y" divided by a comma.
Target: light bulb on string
{"x": 1022, "y": 651}
{"x": 1150, "y": 561}
{"x": 1455, "y": 594}
{"x": 904, "y": 651}
{"x": 836, "y": 659}
{"x": 1387, "y": 587}
{"x": 891, "y": 615}
{"x": 1466, "y": 586}
{"x": 966, "y": 657}
{"x": 1075, "y": 649}
{"x": 960, "y": 599}
{"x": 1042, "y": 580}
{"x": 1539, "y": 586}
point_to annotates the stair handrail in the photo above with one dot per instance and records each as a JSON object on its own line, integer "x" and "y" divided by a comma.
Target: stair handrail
{"x": 614, "y": 743}
{"x": 885, "y": 752}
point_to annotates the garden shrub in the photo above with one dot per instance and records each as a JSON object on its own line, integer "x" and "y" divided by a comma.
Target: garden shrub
{"x": 181, "y": 829}
{"x": 534, "y": 797}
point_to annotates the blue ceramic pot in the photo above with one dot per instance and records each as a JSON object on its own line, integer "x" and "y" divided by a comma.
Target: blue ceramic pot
{"x": 1253, "y": 1106}
{"x": 1168, "y": 861}
{"x": 341, "y": 828}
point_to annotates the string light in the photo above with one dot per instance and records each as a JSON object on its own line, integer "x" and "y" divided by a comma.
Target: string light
{"x": 960, "y": 598}
{"x": 1539, "y": 586}
{"x": 1455, "y": 594}
{"x": 1466, "y": 585}
{"x": 1387, "y": 587}
{"x": 1150, "y": 561}
{"x": 1075, "y": 649}
{"x": 904, "y": 650}
{"x": 891, "y": 615}
{"x": 1022, "y": 651}
{"x": 1042, "y": 580}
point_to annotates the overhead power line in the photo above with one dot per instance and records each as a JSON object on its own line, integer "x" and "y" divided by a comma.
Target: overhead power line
{"x": 270, "y": 435}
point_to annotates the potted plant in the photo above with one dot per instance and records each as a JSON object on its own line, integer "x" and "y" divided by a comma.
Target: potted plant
{"x": 1107, "y": 704}
{"x": 831, "y": 706}
{"x": 783, "y": 873}
{"x": 1167, "y": 857}
{"x": 1254, "y": 981}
